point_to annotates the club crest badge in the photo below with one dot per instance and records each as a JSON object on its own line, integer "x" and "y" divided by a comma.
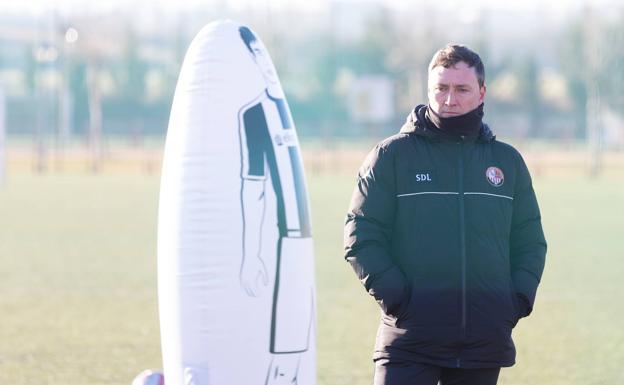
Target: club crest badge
{"x": 495, "y": 176}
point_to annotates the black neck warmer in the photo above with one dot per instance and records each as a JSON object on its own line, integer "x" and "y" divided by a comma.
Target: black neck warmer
{"x": 468, "y": 124}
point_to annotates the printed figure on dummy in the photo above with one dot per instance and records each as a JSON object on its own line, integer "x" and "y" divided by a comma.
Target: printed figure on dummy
{"x": 267, "y": 136}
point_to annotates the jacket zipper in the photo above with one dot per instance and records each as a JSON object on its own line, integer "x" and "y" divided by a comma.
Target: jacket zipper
{"x": 462, "y": 240}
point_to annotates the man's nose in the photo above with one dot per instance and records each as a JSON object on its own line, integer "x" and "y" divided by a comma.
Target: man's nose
{"x": 450, "y": 98}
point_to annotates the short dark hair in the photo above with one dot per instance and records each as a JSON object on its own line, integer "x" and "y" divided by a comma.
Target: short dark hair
{"x": 247, "y": 36}
{"x": 455, "y": 53}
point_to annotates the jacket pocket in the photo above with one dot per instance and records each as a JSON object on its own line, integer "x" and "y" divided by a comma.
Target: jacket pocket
{"x": 405, "y": 311}
{"x": 514, "y": 303}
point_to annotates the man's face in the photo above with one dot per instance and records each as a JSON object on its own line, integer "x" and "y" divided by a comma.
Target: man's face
{"x": 264, "y": 62}
{"x": 454, "y": 91}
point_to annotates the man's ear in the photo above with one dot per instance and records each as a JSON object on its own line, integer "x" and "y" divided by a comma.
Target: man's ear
{"x": 482, "y": 92}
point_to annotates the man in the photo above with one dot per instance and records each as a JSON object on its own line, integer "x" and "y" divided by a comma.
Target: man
{"x": 444, "y": 231}
{"x": 269, "y": 150}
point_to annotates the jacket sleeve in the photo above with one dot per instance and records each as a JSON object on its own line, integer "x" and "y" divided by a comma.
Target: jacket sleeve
{"x": 527, "y": 242}
{"x": 368, "y": 231}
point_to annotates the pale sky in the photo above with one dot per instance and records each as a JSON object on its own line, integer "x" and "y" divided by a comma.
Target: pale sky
{"x": 35, "y": 7}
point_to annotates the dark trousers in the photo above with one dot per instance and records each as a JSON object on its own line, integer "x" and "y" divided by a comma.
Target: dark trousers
{"x": 409, "y": 373}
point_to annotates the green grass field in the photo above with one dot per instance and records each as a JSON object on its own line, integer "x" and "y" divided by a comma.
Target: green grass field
{"x": 78, "y": 284}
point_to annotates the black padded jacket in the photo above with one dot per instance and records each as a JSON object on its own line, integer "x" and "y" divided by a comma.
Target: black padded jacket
{"x": 445, "y": 233}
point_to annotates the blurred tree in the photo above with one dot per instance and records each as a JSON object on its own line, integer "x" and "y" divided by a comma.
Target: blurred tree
{"x": 369, "y": 54}
{"x": 30, "y": 70}
{"x": 572, "y": 59}
{"x": 592, "y": 58}
{"x": 77, "y": 84}
{"x": 613, "y": 64}
{"x": 310, "y": 88}
{"x": 95, "y": 114}
{"x": 128, "y": 104}
{"x": 134, "y": 69}
{"x": 529, "y": 93}
{"x": 344, "y": 59}
{"x": 413, "y": 46}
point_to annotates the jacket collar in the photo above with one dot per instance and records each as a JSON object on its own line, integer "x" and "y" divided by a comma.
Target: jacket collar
{"x": 416, "y": 124}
